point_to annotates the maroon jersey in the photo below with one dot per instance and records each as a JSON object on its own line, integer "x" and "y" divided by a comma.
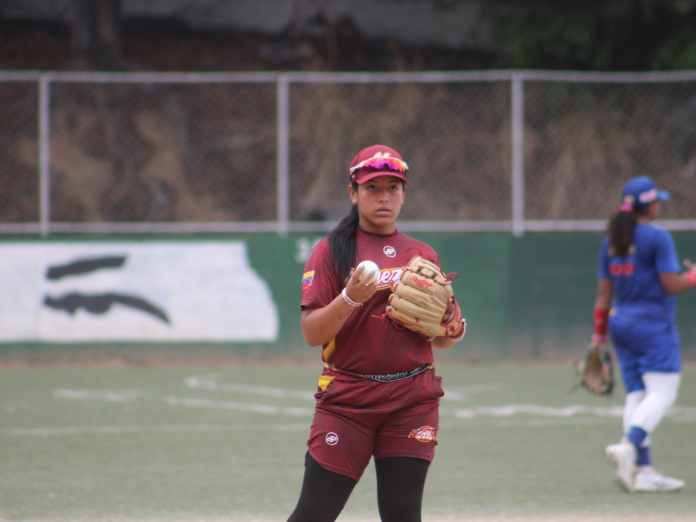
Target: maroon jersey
{"x": 369, "y": 342}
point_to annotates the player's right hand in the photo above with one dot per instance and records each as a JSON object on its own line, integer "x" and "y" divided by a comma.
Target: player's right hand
{"x": 597, "y": 340}
{"x": 358, "y": 288}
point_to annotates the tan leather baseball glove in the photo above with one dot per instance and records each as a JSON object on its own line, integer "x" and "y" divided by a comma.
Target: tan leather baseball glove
{"x": 423, "y": 301}
{"x": 596, "y": 370}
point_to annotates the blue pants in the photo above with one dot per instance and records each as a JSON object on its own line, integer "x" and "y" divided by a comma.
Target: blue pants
{"x": 644, "y": 345}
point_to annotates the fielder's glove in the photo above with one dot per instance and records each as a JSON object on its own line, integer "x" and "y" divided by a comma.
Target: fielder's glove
{"x": 596, "y": 370}
{"x": 423, "y": 301}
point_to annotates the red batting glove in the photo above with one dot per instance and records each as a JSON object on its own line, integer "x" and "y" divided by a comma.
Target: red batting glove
{"x": 601, "y": 326}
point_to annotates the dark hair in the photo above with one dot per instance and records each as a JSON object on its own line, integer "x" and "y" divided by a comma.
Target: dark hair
{"x": 342, "y": 242}
{"x": 621, "y": 227}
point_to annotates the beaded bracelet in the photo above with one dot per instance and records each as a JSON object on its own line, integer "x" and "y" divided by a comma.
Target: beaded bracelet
{"x": 347, "y": 299}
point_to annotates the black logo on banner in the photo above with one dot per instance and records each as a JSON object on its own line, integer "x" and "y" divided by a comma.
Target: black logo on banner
{"x": 98, "y": 303}
{"x": 85, "y": 266}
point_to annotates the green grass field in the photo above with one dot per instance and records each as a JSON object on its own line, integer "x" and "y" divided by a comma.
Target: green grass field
{"x": 195, "y": 443}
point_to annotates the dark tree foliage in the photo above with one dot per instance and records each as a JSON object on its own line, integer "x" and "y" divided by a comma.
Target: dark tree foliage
{"x": 533, "y": 34}
{"x": 596, "y": 34}
{"x": 95, "y": 34}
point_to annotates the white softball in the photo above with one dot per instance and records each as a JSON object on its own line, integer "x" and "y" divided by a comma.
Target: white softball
{"x": 370, "y": 271}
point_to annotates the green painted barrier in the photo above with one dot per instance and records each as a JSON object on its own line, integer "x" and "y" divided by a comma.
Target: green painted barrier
{"x": 524, "y": 298}
{"x": 528, "y": 297}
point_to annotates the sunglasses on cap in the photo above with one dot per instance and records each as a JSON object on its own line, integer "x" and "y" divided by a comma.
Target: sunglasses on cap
{"x": 381, "y": 164}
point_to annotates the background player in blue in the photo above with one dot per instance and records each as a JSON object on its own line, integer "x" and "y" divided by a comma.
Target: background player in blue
{"x": 639, "y": 275}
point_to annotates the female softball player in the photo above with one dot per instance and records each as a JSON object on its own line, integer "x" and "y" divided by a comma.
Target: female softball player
{"x": 378, "y": 395}
{"x": 639, "y": 276}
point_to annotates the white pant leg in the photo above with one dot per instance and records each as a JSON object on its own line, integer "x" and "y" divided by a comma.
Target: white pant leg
{"x": 660, "y": 393}
{"x": 632, "y": 401}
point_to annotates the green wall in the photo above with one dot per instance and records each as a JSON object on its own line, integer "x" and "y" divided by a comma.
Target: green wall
{"x": 527, "y": 297}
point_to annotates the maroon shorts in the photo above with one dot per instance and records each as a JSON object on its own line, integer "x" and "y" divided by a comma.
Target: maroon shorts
{"x": 357, "y": 418}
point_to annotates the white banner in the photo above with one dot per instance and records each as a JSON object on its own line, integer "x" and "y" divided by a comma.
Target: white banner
{"x": 129, "y": 291}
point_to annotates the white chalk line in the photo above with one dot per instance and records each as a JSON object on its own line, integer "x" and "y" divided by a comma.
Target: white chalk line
{"x": 509, "y": 410}
{"x": 502, "y": 411}
{"x": 98, "y": 395}
{"x": 210, "y": 383}
{"x": 503, "y": 415}
{"x": 467, "y": 393}
{"x": 264, "y": 409}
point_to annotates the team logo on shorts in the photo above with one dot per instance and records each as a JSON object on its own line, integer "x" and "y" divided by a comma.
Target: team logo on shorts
{"x": 389, "y": 251}
{"x": 424, "y": 435}
{"x": 331, "y": 438}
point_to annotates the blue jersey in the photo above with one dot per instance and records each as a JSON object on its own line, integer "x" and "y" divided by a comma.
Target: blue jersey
{"x": 642, "y": 320}
{"x": 635, "y": 279}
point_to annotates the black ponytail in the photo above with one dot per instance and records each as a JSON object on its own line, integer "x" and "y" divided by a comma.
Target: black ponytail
{"x": 342, "y": 243}
{"x": 621, "y": 227}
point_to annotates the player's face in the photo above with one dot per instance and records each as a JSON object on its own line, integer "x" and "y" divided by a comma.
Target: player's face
{"x": 379, "y": 203}
{"x": 654, "y": 209}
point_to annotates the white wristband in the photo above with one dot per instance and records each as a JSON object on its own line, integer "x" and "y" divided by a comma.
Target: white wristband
{"x": 349, "y": 301}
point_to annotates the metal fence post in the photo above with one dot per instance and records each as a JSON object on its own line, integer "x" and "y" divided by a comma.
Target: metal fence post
{"x": 44, "y": 154}
{"x": 283, "y": 148}
{"x": 517, "y": 127}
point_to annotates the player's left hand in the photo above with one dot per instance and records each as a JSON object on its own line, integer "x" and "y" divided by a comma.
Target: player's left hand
{"x": 423, "y": 301}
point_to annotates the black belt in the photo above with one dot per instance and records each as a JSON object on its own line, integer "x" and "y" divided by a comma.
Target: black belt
{"x": 383, "y": 377}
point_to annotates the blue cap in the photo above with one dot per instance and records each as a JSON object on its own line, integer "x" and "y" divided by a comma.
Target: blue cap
{"x": 642, "y": 191}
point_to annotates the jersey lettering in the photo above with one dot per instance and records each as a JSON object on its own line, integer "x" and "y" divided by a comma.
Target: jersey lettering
{"x": 622, "y": 269}
{"x": 389, "y": 276}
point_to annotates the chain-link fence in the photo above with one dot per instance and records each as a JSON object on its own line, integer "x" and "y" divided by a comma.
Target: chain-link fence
{"x": 162, "y": 153}
{"x": 147, "y": 152}
{"x": 19, "y": 158}
{"x": 584, "y": 139}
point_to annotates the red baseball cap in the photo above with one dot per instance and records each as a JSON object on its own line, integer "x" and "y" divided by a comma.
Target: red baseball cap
{"x": 375, "y": 161}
